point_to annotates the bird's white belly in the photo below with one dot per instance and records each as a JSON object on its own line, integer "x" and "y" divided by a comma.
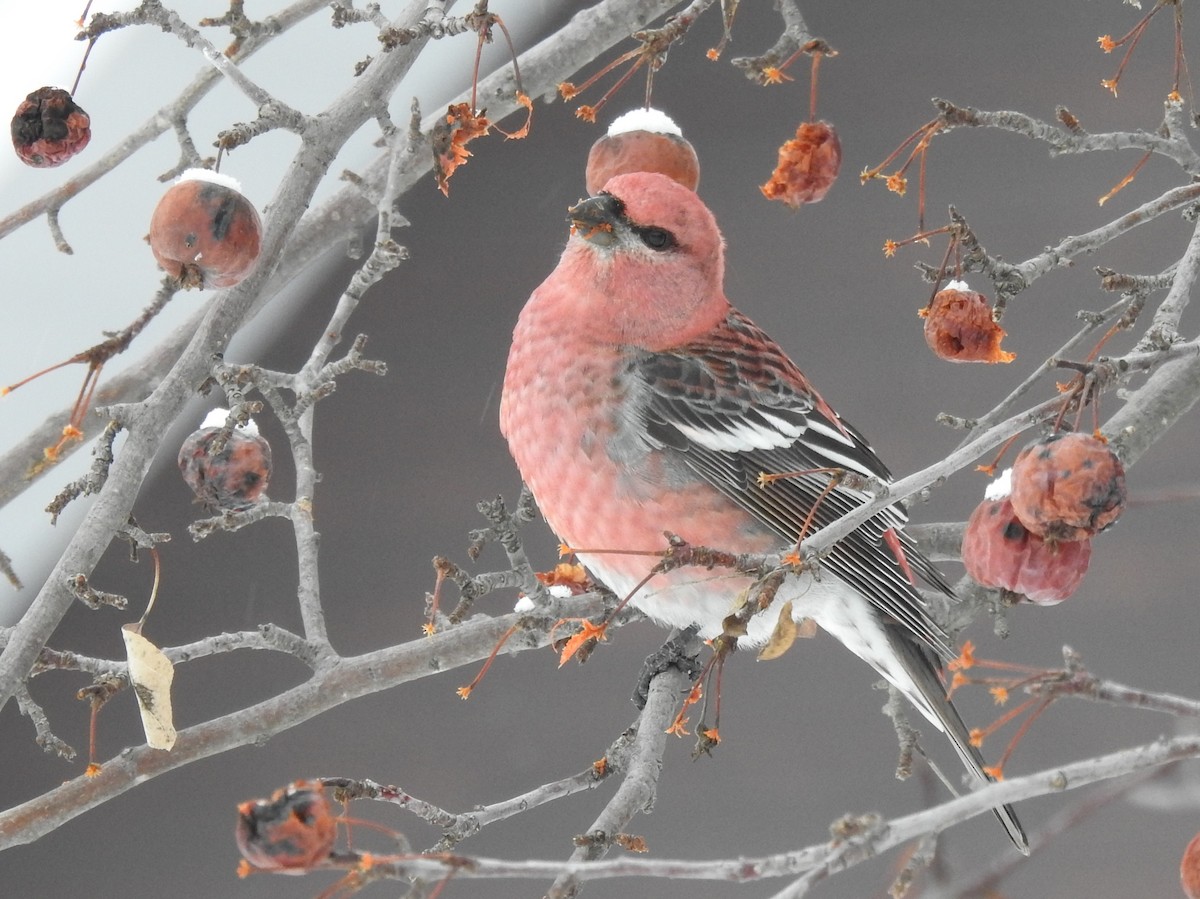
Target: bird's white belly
{"x": 704, "y": 598}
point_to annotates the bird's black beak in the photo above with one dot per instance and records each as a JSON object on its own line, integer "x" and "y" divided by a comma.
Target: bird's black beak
{"x": 596, "y": 219}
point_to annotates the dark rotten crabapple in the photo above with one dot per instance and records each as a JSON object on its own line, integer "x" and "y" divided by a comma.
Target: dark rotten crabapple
{"x": 233, "y": 478}
{"x": 1068, "y": 486}
{"x": 49, "y": 128}
{"x": 290, "y": 832}
{"x": 959, "y": 326}
{"x": 204, "y": 232}
{"x": 642, "y": 140}
{"x": 999, "y": 551}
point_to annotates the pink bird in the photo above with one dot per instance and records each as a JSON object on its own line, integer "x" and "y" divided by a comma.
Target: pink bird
{"x": 637, "y": 400}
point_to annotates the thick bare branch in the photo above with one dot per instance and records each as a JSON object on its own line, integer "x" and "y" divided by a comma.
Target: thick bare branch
{"x": 330, "y": 686}
{"x": 844, "y": 851}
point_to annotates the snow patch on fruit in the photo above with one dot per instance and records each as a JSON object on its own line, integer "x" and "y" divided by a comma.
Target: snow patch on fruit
{"x": 217, "y": 417}
{"x": 653, "y": 120}
{"x": 1001, "y": 487}
{"x": 209, "y": 175}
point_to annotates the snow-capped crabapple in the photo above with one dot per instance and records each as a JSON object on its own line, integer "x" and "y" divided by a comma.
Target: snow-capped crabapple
{"x": 998, "y": 551}
{"x": 959, "y": 326}
{"x": 233, "y": 478}
{"x": 49, "y": 128}
{"x": 807, "y": 167}
{"x": 204, "y": 232}
{"x": 1068, "y": 486}
{"x": 642, "y": 140}
{"x": 291, "y": 832}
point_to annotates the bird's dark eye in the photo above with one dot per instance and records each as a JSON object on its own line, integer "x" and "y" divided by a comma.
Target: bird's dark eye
{"x": 657, "y": 238}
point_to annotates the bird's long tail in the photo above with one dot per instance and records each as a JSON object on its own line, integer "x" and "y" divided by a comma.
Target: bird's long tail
{"x": 921, "y": 666}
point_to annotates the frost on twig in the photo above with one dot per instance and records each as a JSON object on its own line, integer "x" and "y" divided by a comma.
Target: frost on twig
{"x": 504, "y": 530}
{"x": 979, "y": 880}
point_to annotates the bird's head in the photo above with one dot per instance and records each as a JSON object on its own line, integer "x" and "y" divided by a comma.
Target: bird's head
{"x": 653, "y": 247}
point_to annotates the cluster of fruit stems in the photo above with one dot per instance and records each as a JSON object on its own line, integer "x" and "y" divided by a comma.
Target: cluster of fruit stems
{"x": 817, "y": 540}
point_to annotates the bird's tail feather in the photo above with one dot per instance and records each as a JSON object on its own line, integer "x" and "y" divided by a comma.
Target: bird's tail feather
{"x": 923, "y": 669}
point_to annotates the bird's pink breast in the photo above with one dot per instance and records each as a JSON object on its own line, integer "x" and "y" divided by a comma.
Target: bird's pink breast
{"x": 561, "y": 414}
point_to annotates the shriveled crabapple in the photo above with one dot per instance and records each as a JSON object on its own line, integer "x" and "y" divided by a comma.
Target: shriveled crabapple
{"x": 1068, "y": 486}
{"x": 807, "y": 167}
{"x": 49, "y": 128}
{"x": 204, "y": 232}
{"x": 959, "y": 326}
{"x": 999, "y": 551}
{"x": 233, "y": 478}
{"x": 290, "y": 832}
{"x": 642, "y": 140}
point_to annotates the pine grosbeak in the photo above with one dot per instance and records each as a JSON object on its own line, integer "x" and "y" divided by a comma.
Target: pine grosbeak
{"x": 637, "y": 400}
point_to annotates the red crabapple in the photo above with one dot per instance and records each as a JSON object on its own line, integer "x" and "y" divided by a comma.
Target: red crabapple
{"x": 642, "y": 140}
{"x": 998, "y": 551}
{"x": 1068, "y": 486}
{"x": 204, "y": 232}
{"x": 1189, "y": 869}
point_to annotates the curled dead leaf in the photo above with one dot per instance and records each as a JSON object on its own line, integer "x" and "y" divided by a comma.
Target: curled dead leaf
{"x": 782, "y": 637}
{"x": 150, "y": 674}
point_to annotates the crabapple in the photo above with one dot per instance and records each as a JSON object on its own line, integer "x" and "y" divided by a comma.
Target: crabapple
{"x": 642, "y": 140}
{"x": 49, "y": 128}
{"x": 233, "y": 478}
{"x": 204, "y": 232}
{"x": 999, "y": 551}
{"x": 1068, "y": 486}
{"x": 292, "y": 831}
{"x": 959, "y": 327}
